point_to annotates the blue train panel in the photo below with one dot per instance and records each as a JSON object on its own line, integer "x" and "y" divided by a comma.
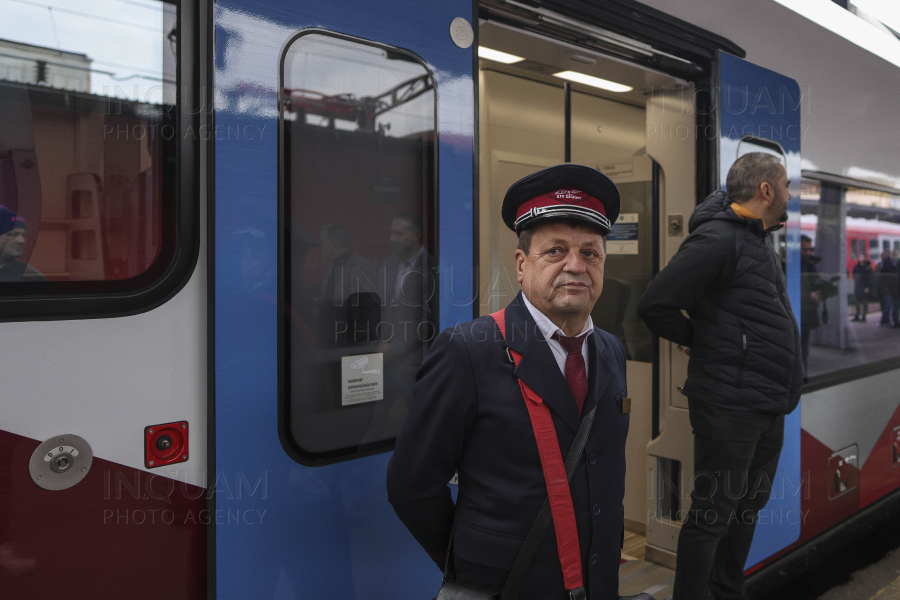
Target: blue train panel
{"x": 760, "y": 111}
{"x": 344, "y": 170}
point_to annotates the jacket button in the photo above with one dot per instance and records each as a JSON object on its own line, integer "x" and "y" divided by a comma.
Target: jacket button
{"x": 593, "y": 559}
{"x": 596, "y": 509}
{"x": 592, "y": 458}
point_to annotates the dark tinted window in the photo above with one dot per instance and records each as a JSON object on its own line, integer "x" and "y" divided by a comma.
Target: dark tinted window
{"x": 359, "y": 253}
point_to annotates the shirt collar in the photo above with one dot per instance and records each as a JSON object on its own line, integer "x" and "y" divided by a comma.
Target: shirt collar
{"x": 547, "y": 327}
{"x": 414, "y": 259}
{"x": 745, "y": 213}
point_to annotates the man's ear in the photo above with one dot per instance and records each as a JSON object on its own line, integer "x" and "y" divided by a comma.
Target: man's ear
{"x": 520, "y": 264}
{"x": 768, "y": 192}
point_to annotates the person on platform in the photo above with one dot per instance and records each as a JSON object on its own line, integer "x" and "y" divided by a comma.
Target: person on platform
{"x": 863, "y": 287}
{"x": 886, "y": 288}
{"x": 810, "y": 298}
{"x": 12, "y": 244}
{"x": 895, "y": 287}
{"x": 468, "y": 414}
{"x": 745, "y": 370}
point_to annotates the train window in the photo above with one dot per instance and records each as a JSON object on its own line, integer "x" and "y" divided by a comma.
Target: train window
{"x": 849, "y": 279}
{"x": 89, "y": 150}
{"x": 358, "y": 266}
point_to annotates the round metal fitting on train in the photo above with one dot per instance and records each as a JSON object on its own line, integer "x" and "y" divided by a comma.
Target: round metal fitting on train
{"x": 164, "y": 442}
{"x": 60, "y": 462}
{"x": 461, "y": 32}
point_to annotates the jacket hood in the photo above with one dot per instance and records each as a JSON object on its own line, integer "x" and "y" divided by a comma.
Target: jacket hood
{"x": 717, "y": 207}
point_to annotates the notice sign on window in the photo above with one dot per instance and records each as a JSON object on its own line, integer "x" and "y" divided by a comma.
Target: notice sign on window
{"x": 623, "y": 239}
{"x": 362, "y": 378}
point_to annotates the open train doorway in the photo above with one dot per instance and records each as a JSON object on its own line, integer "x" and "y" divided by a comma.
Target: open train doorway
{"x": 543, "y": 101}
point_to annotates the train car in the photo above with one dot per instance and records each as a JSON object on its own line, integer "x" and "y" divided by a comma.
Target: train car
{"x": 207, "y": 208}
{"x": 865, "y": 237}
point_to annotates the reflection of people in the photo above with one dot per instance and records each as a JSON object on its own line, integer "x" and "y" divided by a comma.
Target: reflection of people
{"x": 745, "y": 370}
{"x": 408, "y": 320}
{"x": 410, "y": 279}
{"x": 12, "y": 244}
{"x": 468, "y": 412}
{"x": 886, "y": 287}
{"x": 895, "y": 258}
{"x": 863, "y": 285}
{"x": 347, "y": 273}
{"x": 348, "y": 289}
{"x": 809, "y": 297}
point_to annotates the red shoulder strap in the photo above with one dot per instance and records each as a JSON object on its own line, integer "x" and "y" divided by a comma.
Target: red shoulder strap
{"x": 554, "y": 475}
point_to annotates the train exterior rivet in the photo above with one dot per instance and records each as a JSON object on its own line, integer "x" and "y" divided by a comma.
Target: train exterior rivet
{"x": 151, "y": 463}
{"x": 184, "y": 456}
{"x": 151, "y": 431}
{"x": 184, "y": 425}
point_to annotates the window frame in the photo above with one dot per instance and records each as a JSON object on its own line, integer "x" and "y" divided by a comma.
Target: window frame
{"x": 101, "y": 299}
{"x": 285, "y": 434}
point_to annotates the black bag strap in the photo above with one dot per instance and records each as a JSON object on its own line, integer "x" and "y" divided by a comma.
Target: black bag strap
{"x": 544, "y": 518}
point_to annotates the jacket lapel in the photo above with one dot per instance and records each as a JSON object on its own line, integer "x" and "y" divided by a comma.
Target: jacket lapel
{"x": 599, "y": 365}
{"x": 538, "y": 368}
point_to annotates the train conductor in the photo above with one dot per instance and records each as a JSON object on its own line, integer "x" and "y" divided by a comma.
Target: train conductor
{"x": 468, "y": 414}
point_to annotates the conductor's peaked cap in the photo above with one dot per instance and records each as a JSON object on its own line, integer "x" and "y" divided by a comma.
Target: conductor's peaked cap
{"x": 572, "y": 192}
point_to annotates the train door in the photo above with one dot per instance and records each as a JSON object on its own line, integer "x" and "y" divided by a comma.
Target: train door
{"x": 343, "y": 241}
{"x": 630, "y": 122}
{"x": 757, "y": 110}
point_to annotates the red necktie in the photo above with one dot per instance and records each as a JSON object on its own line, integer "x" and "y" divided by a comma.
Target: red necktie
{"x": 576, "y": 375}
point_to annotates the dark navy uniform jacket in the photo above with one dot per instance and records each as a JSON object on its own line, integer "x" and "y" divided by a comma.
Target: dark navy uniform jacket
{"x": 468, "y": 414}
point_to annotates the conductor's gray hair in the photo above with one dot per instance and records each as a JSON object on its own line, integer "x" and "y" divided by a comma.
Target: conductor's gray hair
{"x": 749, "y": 172}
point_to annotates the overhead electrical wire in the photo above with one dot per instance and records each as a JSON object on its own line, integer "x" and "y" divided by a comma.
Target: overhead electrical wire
{"x": 88, "y": 15}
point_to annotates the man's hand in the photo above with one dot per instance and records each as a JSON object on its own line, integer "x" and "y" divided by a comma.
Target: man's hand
{"x": 816, "y": 296}
{"x": 685, "y": 350}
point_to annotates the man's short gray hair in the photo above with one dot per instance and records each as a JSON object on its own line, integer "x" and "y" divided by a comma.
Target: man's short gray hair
{"x": 749, "y": 172}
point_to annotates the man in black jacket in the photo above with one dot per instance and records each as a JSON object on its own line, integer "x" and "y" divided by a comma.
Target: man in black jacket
{"x": 745, "y": 369}
{"x": 468, "y": 413}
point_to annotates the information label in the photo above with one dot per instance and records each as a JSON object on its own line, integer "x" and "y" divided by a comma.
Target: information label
{"x": 623, "y": 239}
{"x": 362, "y": 378}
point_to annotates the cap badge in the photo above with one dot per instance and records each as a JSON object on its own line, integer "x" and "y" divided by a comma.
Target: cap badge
{"x": 569, "y": 196}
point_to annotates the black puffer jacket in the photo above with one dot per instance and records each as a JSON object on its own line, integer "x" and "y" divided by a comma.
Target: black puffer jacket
{"x": 743, "y": 336}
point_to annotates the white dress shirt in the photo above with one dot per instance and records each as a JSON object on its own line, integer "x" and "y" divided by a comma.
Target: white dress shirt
{"x": 548, "y": 329}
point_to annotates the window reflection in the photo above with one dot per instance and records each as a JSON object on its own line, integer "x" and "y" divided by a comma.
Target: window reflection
{"x": 849, "y": 280}
{"x": 360, "y": 256}
{"x": 86, "y": 119}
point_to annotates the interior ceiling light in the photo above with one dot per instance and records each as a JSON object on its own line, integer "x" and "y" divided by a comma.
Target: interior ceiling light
{"x": 498, "y": 56}
{"x": 603, "y": 84}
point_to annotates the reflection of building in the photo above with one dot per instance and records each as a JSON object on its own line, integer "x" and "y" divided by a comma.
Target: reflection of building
{"x": 82, "y": 169}
{"x": 24, "y": 63}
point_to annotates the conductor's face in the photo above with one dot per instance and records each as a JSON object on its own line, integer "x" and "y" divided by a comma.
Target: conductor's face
{"x": 562, "y": 274}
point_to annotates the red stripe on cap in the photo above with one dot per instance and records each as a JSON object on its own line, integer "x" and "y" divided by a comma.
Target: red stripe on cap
{"x": 563, "y": 197}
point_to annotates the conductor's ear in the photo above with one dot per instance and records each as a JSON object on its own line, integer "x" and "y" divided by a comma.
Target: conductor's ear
{"x": 520, "y": 265}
